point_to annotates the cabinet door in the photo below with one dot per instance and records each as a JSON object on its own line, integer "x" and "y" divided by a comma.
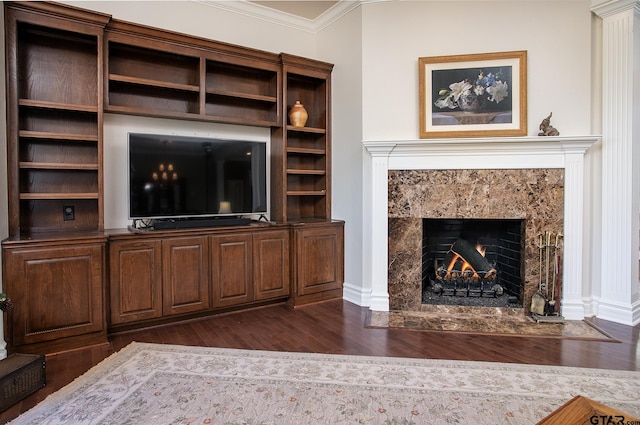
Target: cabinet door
{"x": 271, "y": 264}
{"x": 135, "y": 281}
{"x": 232, "y": 270}
{"x": 185, "y": 275}
{"x": 56, "y": 292}
{"x": 319, "y": 262}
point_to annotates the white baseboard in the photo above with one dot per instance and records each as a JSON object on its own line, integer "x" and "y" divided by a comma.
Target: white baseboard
{"x": 356, "y": 294}
{"x": 573, "y": 310}
{"x": 625, "y": 314}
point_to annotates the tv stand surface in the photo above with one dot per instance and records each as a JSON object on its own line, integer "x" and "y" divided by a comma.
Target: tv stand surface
{"x": 199, "y": 222}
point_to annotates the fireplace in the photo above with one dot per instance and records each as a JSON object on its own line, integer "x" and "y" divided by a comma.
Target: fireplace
{"x": 532, "y": 198}
{"x": 475, "y": 262}
{"x": 536, "y": 179}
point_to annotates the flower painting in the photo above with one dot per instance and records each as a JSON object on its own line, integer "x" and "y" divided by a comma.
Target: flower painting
{"x": 473, "y": 95}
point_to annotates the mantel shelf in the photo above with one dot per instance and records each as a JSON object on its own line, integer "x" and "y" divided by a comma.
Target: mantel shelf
{"x": 488, "y": 145}
{"x": 480, "y": 153}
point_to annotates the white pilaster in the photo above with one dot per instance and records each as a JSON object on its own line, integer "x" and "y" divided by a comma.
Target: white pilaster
{"x": 380, "y": 227}
{"x": 619, "y": 300}
{"x": 572, "y": 306}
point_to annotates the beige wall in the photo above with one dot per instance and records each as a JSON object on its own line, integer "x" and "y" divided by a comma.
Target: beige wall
{"x": 556, "y": 35}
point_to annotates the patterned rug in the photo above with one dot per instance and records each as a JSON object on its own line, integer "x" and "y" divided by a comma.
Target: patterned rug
{"x": 168, "y": 384}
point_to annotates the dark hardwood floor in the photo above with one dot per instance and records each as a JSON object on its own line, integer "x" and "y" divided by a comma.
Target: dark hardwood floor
{"x": 338, "y": 327}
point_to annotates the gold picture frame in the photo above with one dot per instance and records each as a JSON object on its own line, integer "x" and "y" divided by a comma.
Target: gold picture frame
{"x": 475, "y": 95}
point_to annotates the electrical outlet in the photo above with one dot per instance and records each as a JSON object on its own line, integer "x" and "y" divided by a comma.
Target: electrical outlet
{"x": 68, "y": 213}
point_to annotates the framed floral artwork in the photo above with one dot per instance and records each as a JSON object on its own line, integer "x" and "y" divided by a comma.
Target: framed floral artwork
{"x": 477, "y": 95}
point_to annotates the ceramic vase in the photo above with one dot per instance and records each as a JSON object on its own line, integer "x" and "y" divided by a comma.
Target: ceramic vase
{"x": 469, "y": 103}
{"x": 298, "y": 115}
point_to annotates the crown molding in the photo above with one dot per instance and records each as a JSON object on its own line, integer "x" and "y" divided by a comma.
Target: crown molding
{"x": 613, "y": 7}
{"x": 257, "y": 11}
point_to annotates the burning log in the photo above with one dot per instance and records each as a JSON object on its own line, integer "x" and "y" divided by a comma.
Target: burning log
{"x": 466, "y": 272}
{"x": 471, "y": 255}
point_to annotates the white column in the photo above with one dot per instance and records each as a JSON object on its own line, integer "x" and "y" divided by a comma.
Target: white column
{"x": 378, "y": 251}
{"x": 619, "y": 301}
{"x": 572, "y": 305}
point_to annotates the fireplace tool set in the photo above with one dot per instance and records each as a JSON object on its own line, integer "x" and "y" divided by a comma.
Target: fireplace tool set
{"x": 544, "y": 303}
{"x": 467, "y": 273}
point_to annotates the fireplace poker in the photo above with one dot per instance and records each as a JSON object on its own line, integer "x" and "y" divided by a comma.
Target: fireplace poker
{"x": 556, "y": 270}
{"x": 540, "y": 263}
{"x": 547, "y": 253}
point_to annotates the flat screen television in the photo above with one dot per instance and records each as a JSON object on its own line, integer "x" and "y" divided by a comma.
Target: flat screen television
{"x": 172, "y": 177}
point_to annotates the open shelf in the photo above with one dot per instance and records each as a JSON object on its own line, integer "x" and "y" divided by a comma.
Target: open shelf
{"x": 301, "y": 156}
{"x": 154, "y": 77}
{"x": 55, "y": 120}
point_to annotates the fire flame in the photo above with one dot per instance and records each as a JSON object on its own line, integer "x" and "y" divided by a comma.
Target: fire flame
{"x": 465, "y": 265}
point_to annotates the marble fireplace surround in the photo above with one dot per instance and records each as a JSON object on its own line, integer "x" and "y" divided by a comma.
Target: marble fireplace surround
{"x": 555, "y": 162}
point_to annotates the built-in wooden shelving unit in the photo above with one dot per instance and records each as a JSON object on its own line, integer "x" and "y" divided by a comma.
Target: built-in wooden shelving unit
{"x": 67, "y": 66}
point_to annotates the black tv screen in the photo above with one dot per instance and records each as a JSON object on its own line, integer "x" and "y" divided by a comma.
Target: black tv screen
{"x": 183, "y": 177}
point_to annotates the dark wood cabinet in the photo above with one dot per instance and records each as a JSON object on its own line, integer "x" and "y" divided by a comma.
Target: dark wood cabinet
{"x": 232, "y": 269}
{"x": 153, "y": 277}
{"x": 185, "y": 275}
{"x": 271, "y": 264}
{"x": 318, "y": 262}
{"x": 159, "y": 276}
{"x": 65, "y": 67}
{"x": 135, "y": 289}
{"x": 58, "y": 294}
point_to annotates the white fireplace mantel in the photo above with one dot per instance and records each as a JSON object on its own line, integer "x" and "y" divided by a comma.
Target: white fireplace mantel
{"x": 480, "y": 153}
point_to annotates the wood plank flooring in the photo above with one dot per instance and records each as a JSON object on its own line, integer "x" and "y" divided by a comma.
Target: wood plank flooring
{"x": 338, "y": 327}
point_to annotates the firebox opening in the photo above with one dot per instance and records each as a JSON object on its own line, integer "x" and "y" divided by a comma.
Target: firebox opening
{"x": 473, "y": 262}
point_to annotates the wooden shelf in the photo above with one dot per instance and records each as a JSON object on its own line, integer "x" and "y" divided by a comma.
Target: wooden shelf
{"x": 153, "y": 83}
{"x": 57, "y": 136}
{"x": 54, "y": 116}
{"x": 307, "y": 193}
{"x": 57, "y": 106}
{"x": 306, "y": 151}
{"x": 51, "y": 196}
{"x": 151, "y": 75}
{"x": 245, "y": 96}
{"x": 301, "y": 166}
{"x": 307, "y": 172}
{"x": 306, "y": 129}
{"x": 57, "y": 166}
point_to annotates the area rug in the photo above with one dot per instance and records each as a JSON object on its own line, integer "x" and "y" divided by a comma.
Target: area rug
{"x": 168, "y": 384}
{"x": 485, "y": 321}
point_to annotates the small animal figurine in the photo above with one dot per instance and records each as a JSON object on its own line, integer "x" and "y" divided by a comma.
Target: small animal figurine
{"x": 546, "y": 129}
